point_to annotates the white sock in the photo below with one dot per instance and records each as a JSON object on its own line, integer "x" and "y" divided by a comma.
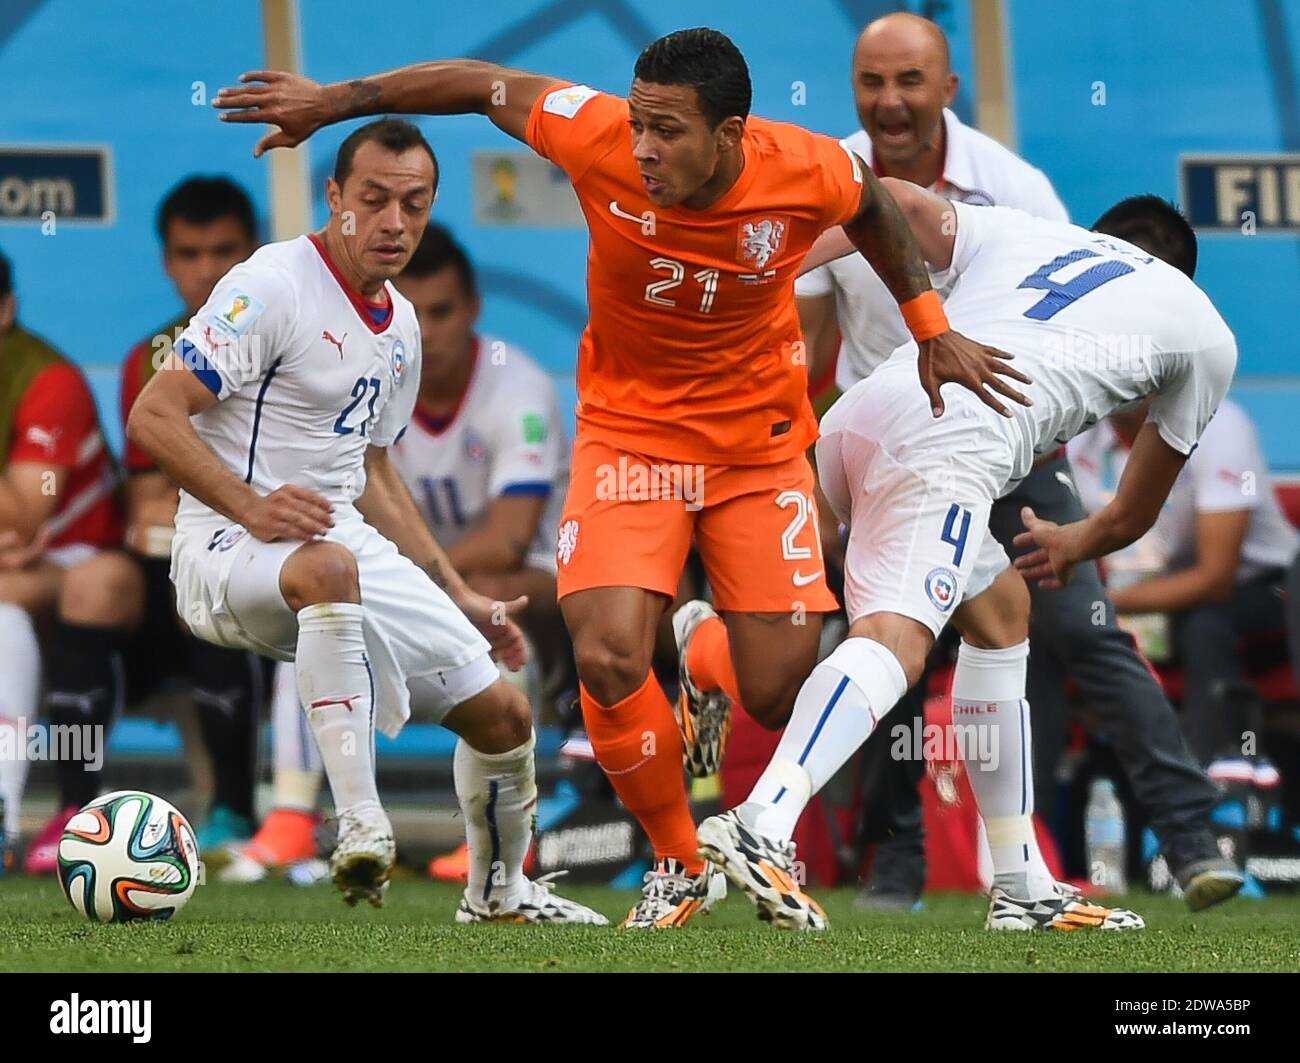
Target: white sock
{"x": 836, "y": 710}
{"x": 20, "y": 683}
{"x": 988, "y": 695}
{"x": 337, "y": 690}
{"x": 498, "y": 798}
{"x": 294, "y": 752}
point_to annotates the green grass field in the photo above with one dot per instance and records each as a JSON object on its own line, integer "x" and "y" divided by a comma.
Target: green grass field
{"x": 278, "y": 927}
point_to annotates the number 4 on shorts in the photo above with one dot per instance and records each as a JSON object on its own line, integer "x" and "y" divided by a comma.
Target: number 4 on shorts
{"x": 955, "y": 527}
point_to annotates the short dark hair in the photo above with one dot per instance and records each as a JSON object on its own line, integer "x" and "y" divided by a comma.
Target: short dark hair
{"x": 6, "y": 276}
{"x": 708, "y": 62}
{"x": 395, "y": 134}
{"x": 436, "y": 251}
{"x": 1154, "y": 225}
{"x": 202, "y": 200}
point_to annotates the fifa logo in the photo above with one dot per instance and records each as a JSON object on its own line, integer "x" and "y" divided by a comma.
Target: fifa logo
{"x": 237, "y": 307}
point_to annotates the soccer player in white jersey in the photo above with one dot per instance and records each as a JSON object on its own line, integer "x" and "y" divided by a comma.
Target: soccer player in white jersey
{"x": 295, "y": 537}
{"x": 902, "y": 86}
{"x": 485, "y": 455}
{"x": 1095, "y": 322}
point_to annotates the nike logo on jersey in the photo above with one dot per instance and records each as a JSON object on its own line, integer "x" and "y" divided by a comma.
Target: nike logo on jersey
{"x": 646, "y": 220}
{"x": 337, "y": 343}
{"x": 800, "y": 580}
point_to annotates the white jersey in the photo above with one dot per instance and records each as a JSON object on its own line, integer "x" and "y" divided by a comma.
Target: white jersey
{"x": 1225, "y": 473}
{"x": 1094, "y": 321}
{"x": 306, "y": 377}
{"x": 505, "y": 438}
{"x": 977, "y": 170}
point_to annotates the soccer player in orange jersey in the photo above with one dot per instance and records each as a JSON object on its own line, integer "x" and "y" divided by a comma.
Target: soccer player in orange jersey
{"x": 693, "y": 419}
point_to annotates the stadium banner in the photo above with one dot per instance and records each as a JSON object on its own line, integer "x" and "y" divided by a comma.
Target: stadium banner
{"x": 1244, "y": 194}
{"x": 518, "y": 188}
{"x": 72, "y": 183}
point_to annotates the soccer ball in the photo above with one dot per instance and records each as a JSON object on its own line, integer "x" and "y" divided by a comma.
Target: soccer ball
{"x": 128, "y": 855}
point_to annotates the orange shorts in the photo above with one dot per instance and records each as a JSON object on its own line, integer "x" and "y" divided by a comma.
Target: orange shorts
{"x": 629, "y": 519}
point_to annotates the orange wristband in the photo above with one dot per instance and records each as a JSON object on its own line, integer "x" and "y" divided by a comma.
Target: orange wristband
{"x": 924, "y": 316}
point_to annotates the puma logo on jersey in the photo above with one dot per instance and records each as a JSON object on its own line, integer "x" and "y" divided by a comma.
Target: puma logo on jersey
{"x": 45, "y": 438}
{"x": 645, "y": 220}
{"x": 337, "y": 343}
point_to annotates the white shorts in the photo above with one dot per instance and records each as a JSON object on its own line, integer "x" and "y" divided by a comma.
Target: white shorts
{"x": 421, "y": 646}
{"x": 915, "y": 493}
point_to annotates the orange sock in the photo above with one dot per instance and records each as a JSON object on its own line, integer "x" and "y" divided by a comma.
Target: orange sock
{"x": 708, "y": 658}
{"x": 640, "y": 748}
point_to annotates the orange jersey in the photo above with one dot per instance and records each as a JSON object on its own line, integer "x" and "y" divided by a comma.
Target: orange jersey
{"x": 692, "y": 349}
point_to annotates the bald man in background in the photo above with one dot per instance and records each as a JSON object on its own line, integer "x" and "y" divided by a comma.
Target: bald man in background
{"x": 903, "y": 85}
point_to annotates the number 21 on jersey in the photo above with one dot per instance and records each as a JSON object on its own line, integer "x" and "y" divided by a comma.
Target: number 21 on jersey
{"x": 654, "y": 291}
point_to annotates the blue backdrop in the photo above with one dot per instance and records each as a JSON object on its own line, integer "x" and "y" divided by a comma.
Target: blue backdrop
{"x": 1177, "y": 76}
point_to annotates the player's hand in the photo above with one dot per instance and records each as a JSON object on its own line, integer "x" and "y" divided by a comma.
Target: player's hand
{"x": 17, "y": 554}
{"x": 493, "y": 619}
{"x": 294, "y": 103}
{"x": 294, "y": 513}
{"x": 951, "y": 358}
{"x": 1052, "y": 562}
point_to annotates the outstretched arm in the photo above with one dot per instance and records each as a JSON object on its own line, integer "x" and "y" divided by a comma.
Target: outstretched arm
{"x": 896, "y": 244}
{"x": 1149, "y": 475}
{"x": 300, "y": 106}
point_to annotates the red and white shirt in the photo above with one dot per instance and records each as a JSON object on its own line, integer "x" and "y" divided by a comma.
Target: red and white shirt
{"x": 56, "y": 425}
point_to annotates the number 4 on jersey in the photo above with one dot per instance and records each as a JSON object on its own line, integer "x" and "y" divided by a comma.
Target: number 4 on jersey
{"x": 1059, "y": 295}
{"x": 955, "y": 527}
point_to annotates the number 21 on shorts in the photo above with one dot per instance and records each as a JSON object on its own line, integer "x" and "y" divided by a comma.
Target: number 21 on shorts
{"x": 955, "y": 527}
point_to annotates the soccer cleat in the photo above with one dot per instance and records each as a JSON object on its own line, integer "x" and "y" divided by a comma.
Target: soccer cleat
{"x": 538, "y": 905}
{"x": 671, "y": 897}
{"x": 287, "y": 837}
{"x": 762, "y": 867}
{"x": 451, "y": 867}
{"x": 704, "y": 716}
{"x": 43, "y": 854}
{"x": 222, "y": 827}
{"x": 365, "y": 854}
{"x": 1065, "y": 910}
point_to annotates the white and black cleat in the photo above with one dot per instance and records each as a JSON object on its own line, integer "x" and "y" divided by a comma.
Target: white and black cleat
{"x": 704, "y": 716}
{"x": 364, "y": 856}
{"x": 1065, "y": 910}
{"x": 763, "y": 868}
{"x": 538, "y": 904}
{"x": 671, "y": 897}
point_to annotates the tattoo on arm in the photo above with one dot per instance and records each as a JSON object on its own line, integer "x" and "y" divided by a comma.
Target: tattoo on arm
{"x": 436, "y": 573}
{"x": 363, "y": 97}
{"x": 882, "y": 236}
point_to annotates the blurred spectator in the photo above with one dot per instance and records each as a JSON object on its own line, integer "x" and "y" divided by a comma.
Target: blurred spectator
{"x": 58, "y": 506}
{"x": 484, "y": 455}
{"x": 1214, "y": 564}
{"x": 118, "y": 638}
